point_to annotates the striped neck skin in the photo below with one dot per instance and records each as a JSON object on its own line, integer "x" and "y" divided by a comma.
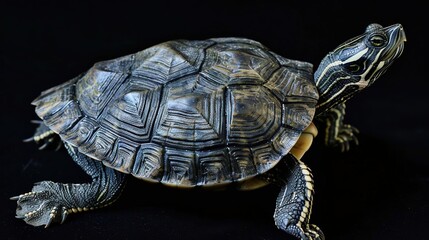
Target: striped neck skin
{"x": 356, "y": 64}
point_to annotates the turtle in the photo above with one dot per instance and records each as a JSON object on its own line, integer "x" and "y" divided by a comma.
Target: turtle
{"x": 194, "y": 113}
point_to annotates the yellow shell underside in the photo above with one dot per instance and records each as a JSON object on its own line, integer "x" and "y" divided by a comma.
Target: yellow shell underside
{"x": 298, "y": 150}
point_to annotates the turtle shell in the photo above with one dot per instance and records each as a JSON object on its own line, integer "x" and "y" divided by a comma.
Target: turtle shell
{"x": 185, "y": 112}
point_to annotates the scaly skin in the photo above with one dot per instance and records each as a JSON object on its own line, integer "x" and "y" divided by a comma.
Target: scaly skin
{"x": 50, "y": 202}
{"x": 295, "y": 201}
{"x": 337, "y": 133}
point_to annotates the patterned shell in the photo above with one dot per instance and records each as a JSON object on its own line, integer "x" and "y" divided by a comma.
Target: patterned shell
{"x": 186, "y": 112}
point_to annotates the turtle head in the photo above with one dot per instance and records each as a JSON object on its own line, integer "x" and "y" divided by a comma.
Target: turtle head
{"x": 357, "y": 63}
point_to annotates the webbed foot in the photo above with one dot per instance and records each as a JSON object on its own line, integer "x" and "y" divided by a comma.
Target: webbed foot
{"x": 50, "y": 202}
{"x": 338, "y": 134}
{"x": 346, "y": 134}
{"x": 314, "y": 232}
{"x": 41, "y": 206}
{"x": 310, "y": 232}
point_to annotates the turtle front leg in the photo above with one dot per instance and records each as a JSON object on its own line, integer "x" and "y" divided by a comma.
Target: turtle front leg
{"x": 295, "y": 201}
{"x": 337, "y": 133}
{"x": 50, "y": 202}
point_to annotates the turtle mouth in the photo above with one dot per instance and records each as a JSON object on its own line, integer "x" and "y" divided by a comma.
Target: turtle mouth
{"x": 393, "y": 51}
{"x": 396, "y": 41}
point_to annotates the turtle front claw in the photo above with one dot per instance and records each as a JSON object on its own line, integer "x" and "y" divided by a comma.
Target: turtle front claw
{"x": 346, "y": 134}
{"x": 40, "y": 207}
{"x": 309, "y": 232}
{"x": 338, "y": 134}
{"x": 315, "y": 233}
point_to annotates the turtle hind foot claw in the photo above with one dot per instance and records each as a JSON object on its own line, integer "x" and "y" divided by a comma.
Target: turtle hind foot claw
{"x": 40, "y": 207}
{"x": 45, "y": 137}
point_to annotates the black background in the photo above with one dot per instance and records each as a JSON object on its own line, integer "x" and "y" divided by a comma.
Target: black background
{"x": 378, "y": 190}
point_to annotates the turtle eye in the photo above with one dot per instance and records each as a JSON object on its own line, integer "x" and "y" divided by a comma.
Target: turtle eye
{"x": 377, "y": 40}
{"x": 353, "y": 68}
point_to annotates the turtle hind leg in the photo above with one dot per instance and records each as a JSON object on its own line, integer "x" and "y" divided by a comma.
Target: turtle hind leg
{"x": 294, "y": 203}
{"x": 45, "y": 137}
{"x": 50, "y": 202}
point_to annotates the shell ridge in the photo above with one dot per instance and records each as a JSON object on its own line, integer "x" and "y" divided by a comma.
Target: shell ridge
{"x": 225, "y": 125}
